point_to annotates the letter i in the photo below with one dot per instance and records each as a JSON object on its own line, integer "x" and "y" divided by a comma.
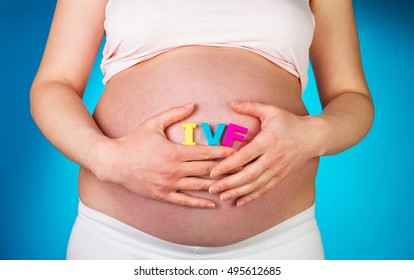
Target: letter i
{"x": 189, "y": 134}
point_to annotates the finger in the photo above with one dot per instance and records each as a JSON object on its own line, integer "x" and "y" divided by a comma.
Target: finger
{"x": 231, "y": 172}
{"x": 258, "y": 193}
{"x": 240, "y": 158}
{"x": 189, "y": 201}
{"x": 196, "y": 168}
{"x": 251, "y": 108}
{"x": 172, "y": 115}
{"x": 203, "y": 152}
{"x": 253, "y": 186}
{"x": 250, "y": 173}
{"x": 194, "y": 184}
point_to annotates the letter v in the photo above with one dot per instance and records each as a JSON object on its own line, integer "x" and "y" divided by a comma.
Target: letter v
{"x": 213, "y": 141}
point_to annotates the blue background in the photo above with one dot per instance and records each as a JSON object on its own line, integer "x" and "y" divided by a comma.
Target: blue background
{"x": 365, "y": 196}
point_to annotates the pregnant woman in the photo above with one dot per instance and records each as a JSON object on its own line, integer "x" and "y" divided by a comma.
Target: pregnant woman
{"x": 145, "y": 195}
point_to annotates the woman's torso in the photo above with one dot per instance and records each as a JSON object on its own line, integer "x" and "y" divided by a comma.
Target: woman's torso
{"x": 153, "y": 63}
{"x": 208, "y": 77}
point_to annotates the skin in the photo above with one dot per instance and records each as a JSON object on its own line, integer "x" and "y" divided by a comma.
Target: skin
{"x": 347, "y": 112}
{"x": 287, "y": 138}
{"x": 58, "y": 110}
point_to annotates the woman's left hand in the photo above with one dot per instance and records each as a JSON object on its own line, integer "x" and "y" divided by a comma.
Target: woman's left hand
{"x": 286, "y": 141}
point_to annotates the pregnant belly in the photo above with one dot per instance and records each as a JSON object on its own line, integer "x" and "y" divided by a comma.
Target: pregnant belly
{"x": 209, "y": 77}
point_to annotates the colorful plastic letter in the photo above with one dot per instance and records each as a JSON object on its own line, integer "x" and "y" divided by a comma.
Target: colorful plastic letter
{"x": 232, "y": 135}
{"x": 189, "y": 134}
{"x": 213, "y": 140}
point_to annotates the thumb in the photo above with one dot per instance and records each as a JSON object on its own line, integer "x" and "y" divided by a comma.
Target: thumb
{"x": 172, "y": 115}
{"x": 251, "y": 108}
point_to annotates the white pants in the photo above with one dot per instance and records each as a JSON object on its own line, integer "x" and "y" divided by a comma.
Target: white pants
{"x": 98, "y": 236}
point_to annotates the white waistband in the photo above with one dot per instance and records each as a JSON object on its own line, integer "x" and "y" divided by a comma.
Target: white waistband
{"x": 296, "y": 231}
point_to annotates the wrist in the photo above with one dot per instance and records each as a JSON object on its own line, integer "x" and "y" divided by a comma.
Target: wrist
{"x": 104, "y": 158}
{"x": 317, "y": 130}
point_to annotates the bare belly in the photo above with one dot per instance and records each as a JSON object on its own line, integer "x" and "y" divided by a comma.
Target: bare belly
{"x": 209, "y": 77}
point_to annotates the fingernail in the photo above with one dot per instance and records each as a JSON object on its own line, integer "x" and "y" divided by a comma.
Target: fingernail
{"x": 225, "y": 196}
{"x": 241, "y": 203}
{"x": 235, "y": 103}
{"x": 215, "y": 173}
{"x": 213, "y": 190}
{"x": 211, "y": 205}
{"x": 188, "y": 105}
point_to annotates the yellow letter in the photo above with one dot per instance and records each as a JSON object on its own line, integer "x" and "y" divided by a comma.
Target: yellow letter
{"x": 189, "y": 134}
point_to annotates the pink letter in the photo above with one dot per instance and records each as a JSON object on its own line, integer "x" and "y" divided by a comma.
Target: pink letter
{"x": 231, "y": 134}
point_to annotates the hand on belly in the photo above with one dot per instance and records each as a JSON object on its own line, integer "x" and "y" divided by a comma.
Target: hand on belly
{"x": 286, "y": 142}
{"x": 147, "y": 163}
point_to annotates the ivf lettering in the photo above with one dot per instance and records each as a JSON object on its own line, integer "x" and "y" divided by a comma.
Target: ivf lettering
{"x": 233, "y": 132}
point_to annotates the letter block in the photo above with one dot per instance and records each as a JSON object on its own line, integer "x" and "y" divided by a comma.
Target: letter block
{"x": 232, "y": 135}
{"x": 213, "y": 140}
{"x": 189, "y": 134}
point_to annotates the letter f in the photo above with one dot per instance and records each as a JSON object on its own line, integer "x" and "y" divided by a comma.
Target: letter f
{"x": 232, "y": 135}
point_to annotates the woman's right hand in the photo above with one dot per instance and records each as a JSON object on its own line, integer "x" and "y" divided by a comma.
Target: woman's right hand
{"x": 147, "y": 163}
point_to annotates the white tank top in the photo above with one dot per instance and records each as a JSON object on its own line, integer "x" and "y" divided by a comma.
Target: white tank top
{"x": 137, "y": 30}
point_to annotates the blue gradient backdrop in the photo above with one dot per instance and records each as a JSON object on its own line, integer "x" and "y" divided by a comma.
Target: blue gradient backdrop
{"x": 365, "y": 196}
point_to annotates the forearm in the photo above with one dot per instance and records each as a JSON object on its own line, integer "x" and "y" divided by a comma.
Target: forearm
{"x": 62, "y": 117}
{"x": 344, "y": 122}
